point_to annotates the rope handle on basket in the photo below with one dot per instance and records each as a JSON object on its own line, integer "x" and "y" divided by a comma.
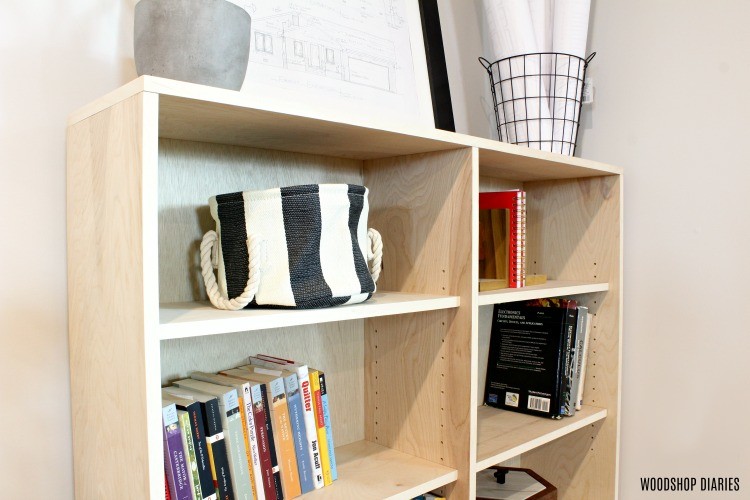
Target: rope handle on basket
{"x": 207, "y": 269}
{"x": 375, "y": 253}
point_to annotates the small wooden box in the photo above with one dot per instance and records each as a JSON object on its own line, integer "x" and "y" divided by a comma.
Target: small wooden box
{"x": 519, "y": 484}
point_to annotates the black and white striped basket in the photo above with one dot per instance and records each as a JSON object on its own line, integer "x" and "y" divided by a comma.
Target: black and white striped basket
{"x": 299, "y": 247}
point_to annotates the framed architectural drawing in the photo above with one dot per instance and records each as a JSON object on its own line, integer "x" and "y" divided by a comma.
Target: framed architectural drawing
{"x": 437, "y": 70}
{"x": 362, "y": 61}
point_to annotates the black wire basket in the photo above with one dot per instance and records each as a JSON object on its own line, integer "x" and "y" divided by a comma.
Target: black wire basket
{"x": 537, "y": 99}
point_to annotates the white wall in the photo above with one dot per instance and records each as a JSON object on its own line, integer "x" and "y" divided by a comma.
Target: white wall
{"x": 55, "y": 56}
{"x": 672, "y": 107}
{"x": 687, "y": 226}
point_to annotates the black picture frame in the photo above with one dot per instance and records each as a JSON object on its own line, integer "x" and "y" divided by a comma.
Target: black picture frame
{"x": 442, "y": 106}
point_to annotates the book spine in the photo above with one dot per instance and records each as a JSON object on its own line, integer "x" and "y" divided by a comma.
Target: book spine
{"x": 197, "y": 428}
{"x": 264, "y": 454}
{"x": 522, "y": 238}
{"x": 329, "y": 428}
{"x": 313, "y": 447}
{"x": 251, "y": 442}
{"x": 567, "y": 406}
{"x": 517, "y": 253}
{"x": 183, "y": 418}
{"x": 246, "y": 441}
{"x": 299, "y": 432}
{"x": 238, "y": 467}
{"x": 311, "y": 432}
{"x": 515, "y": 202}
{"x": 272, "y": 443}
{"x": 167, "y": 496}
{"x": 320, "y": 427}
{"x": 282, "y": 431}
{"x": 584, "y": 360}
{"x": 174, "y": 455}
{"x": 217, "y": 450}
{"x": 580, "y": 335}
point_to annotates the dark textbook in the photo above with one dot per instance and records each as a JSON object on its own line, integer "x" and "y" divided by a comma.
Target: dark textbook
{"x": 528, "y": 356}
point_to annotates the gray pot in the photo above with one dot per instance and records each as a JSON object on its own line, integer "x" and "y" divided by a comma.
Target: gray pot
{"x": 197, "y": 41}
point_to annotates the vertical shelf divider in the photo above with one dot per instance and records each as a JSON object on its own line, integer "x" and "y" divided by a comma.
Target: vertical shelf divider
{"x": 423, "y": 361}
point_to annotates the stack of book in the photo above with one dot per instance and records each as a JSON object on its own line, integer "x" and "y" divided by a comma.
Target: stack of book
{"x": 537, "y": 357}
{"x": 257, "y": 431}
{"x": 502, "y": 240}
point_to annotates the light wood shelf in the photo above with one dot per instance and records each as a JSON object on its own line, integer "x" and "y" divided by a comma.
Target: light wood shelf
{"x": 207, "y": 114}
{"x": 406, "y": 368}
{"x": 193, "y": 319}
{"x": 502, "y": 435}
{"x": 553, "y": 288}
{"x": 370, "y": 471}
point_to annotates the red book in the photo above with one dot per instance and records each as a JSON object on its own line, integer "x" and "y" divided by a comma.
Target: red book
{"x": 515, "y": 203}
{"x": 167, "y": 496}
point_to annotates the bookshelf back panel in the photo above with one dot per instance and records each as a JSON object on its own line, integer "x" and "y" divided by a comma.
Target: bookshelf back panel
{"x": 335, "y": 348}
{"x": 573, "y": 228}
{"x": 405, "y": 371}
{"x": 574, "y": 463}
{"x": 416, "y": 202}
{"x": 191, "y": 172}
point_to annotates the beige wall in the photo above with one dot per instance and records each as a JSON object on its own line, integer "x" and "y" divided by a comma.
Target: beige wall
{"x": 54, "y": 57}
{"x": 687, "y": 225}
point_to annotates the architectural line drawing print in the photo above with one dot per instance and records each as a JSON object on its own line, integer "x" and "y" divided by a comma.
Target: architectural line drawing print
{"x": 345, "y": 55}
{"x": 395, "y": 20}
{"x": 305, "y": 43}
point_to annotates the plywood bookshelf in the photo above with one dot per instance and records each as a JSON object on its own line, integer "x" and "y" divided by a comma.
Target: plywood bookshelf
{"x": 406, "y": 369}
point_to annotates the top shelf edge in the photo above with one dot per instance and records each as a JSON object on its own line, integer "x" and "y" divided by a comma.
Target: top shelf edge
{"x": 360, "y": 139}
{"x": 550, "y": 289}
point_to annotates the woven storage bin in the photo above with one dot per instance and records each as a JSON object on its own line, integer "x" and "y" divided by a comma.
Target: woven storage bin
{"x": 298, "y": 247}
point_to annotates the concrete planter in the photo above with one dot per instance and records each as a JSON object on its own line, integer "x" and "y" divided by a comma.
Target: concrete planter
{"x": 197, "y": 41}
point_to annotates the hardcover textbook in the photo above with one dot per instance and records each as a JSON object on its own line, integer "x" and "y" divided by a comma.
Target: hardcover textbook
{"x": 528, "y": 358}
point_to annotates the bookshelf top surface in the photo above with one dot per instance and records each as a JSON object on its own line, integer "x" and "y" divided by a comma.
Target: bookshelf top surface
{"x": 368, "y": 470}
{"x": 207, "y": 114}
{"x": 553, "y": 288}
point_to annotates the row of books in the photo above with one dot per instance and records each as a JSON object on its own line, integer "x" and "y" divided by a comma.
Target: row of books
{"x": 537, "y": 357}
{"x": 261, "y": 431}
{"x": 502, "y": 240}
